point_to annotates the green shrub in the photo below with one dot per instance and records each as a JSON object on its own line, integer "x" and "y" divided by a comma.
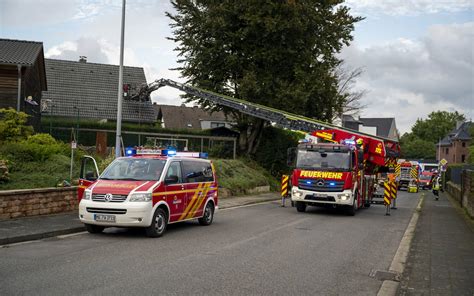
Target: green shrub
{"x": 4, "y": 174}
{"x": 13, "y": 125}
{"x": 42, "y": 139}
{"x": 272, "y": 152}
{"x": 470, "y": 157}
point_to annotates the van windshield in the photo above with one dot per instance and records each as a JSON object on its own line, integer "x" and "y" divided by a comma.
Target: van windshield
{"x": 136, "y": 169}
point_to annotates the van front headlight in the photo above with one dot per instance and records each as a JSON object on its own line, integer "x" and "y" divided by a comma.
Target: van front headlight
{"x": 141, "y": 197}
{"x": 87, "y": 195}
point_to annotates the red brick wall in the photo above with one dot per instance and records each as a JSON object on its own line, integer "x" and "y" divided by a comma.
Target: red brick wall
{"x": 455, "y": 152}
{"x": 34, "y": 202}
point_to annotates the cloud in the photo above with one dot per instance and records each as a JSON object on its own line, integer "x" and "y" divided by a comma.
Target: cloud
{"x": 71, "y": 50}
{"x": 411, "y": 7}
{"x": 28, "y": 13}
{"x": 408, "y": 79}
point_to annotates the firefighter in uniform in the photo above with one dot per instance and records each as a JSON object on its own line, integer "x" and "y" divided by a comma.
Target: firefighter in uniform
{"x": 436, "y": 186}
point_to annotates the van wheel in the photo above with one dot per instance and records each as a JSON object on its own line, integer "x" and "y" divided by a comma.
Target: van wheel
{"x": 300, "y": 206}
{"x": 91, "y": 228}
{"x": 158, "y": 224}
{"x": 208, "y": 215}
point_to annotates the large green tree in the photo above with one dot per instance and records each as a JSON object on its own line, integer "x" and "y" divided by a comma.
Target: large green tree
{"x": 278, "y": 53}
{"x": 425, "y": 133}
{"x": 437, "y": 125}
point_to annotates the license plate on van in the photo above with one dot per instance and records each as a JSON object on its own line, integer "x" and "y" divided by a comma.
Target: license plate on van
{"x": 104, "y": 218}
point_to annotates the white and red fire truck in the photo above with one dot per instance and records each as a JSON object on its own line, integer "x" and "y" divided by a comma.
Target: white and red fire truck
{"x": 341, "y": 173}
{"x": 148, "y": 189}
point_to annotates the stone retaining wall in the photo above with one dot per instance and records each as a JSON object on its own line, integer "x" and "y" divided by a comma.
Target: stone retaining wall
{"x": 34, "y": 202}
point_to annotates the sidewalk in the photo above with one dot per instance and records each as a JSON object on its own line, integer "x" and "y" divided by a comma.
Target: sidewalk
{"x": 441, "y": 258}
{"x": 38, "y": 227}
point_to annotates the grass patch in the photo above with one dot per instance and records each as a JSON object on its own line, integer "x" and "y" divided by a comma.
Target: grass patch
{"x": 239, "y": 175}
{"x": 39, "y": 174}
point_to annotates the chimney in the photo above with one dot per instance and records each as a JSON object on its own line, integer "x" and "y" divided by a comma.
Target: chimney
{"x": 82, "y": 59}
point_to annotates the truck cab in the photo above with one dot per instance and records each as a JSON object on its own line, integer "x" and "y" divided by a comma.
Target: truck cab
{"x": 327, "y": 174}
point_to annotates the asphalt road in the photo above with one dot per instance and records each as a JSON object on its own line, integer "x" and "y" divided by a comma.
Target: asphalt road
{"x": 261, "y": 249}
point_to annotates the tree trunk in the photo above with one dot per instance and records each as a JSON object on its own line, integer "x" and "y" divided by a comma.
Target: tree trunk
{"x": 250, "y": 135}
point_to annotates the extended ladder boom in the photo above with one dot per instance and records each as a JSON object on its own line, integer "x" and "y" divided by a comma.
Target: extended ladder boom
{"x": 279, "y": 117}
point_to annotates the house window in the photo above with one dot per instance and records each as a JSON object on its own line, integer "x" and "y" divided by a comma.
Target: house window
{"x": 447, "y": 150}
{"x": 463, "y": 157}
{"x": 217, "y": 124}
{"x": 464, "y": 144}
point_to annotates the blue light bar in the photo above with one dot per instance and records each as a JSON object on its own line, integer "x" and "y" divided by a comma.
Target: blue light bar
{"x": 203, "y": 155}
{"x": 332, "y": 183}
{"x": 308, "y": 182}
{"x": 130, "y": 151}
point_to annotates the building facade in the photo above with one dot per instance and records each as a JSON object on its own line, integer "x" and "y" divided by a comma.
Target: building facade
{"x": 455, "y": 146}
{"x": 22, "y": 77}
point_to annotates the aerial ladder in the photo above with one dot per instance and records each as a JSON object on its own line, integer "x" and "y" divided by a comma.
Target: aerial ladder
{"x": 380, "y": 151}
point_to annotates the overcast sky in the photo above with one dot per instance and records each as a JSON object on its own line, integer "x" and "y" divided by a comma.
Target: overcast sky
{"x": 417, "y": 55}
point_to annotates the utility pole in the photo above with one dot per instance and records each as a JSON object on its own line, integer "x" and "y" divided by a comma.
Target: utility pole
{"x": 120, "y": 88}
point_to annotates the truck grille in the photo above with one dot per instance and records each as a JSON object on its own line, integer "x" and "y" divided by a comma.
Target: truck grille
{"x": 106, "y": 211}
{"x": 320, "y": 198}
{"x": 115, "y": 198}
{"x": 321, "y": 185}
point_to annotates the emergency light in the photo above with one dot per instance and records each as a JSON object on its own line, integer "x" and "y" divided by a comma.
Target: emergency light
{"x": 165, "y": 152}
{"x": 130, "y": 151}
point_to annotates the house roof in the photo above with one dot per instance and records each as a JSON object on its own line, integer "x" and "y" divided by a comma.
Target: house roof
{"x": 383, "y": 125}
{"x": 349, "y": 118}
{"x": 92, "y": 89}
{"x": 182, "y": 117}
{"x": 19, "y": 52}
{"x": 460, "y": 133}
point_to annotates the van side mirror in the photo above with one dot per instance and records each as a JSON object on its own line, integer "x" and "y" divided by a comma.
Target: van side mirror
{"x": 291, "y": 156}
{"x": 173, "y": 179}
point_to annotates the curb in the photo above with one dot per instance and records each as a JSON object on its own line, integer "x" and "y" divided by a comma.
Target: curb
{"x": 253, "y": 202}
{"x": 37, "y": 236}
{"x": 389, "y": 287}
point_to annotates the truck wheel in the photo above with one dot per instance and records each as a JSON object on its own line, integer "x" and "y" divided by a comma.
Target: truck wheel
{"x": 208, "y": 215}
{"x": 158, "y": 224}
{"x": 91, "y": 228}
{"x": 300, "y": 206}
{"x": 351, "y": 210}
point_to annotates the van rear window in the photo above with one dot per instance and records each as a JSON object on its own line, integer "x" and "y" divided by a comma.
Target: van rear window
{"x": 197, "y": 171}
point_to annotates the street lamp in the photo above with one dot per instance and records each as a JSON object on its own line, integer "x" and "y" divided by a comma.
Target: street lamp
{"x": 77, "y": 123}
{"x": 120, "y": 87}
